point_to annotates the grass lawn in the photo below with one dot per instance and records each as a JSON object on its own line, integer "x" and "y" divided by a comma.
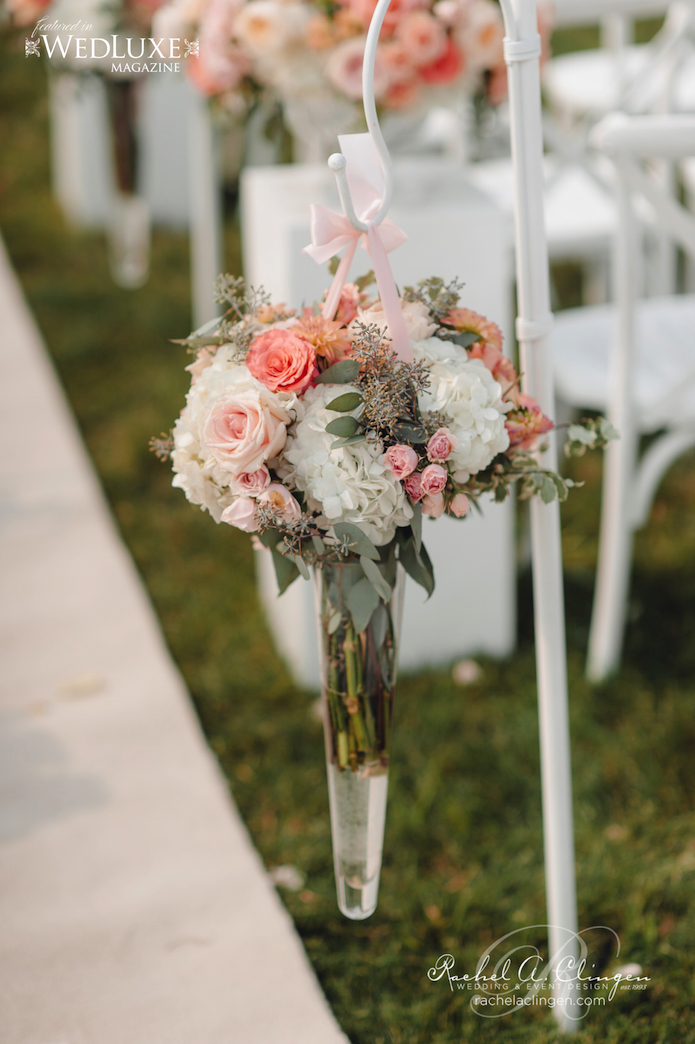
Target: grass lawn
{"x": 463, "y": 859}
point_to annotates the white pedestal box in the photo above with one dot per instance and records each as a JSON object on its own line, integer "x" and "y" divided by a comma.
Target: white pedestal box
{"x": 453, "y": 230}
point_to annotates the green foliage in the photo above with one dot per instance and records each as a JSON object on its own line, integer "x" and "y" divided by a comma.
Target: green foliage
{"x": 463, "y": 854}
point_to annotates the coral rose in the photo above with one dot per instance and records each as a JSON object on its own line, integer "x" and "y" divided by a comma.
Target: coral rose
{"x": 242, "y": 514}
{"x": 434, "y": 479}
{"x": 441, "y": 445}
{"x": 245, "y": 430}
{"x": 444, "y": 69}
{"x": 402, "y": 460}
{"x": 282, "y": 361}
{"x": 525, "y": 424}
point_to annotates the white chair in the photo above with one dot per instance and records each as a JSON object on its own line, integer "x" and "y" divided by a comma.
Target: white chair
{"x": 635, "y": 359}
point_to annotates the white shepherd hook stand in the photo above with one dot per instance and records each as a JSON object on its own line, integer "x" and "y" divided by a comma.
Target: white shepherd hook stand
{"x": 522, "y": 49}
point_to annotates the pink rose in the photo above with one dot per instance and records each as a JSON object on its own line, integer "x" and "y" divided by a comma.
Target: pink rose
{"x": 244, "y": 431}
{"x": 434, "y": 479}
{"x": 441, "y": 445}
{"x": 402, "y": 460}
{"x": 459, "y": 505}
{"x": 348, "y": 304}
{"x": 281, "y": 498}
{"x": 433, "y": 505}
{"x": 250, "y": 483}
{"x": 344, "y": 69}
{"x": 282, "y": 361}
{"x": 413, "y": 487}
{"x": 446, "y": 68}
{"x": 242, "y": 514}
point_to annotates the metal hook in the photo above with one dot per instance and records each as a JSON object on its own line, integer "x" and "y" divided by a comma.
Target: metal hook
{"x": 337, "y": 161}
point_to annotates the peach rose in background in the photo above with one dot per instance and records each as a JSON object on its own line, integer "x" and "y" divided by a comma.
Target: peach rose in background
{"x": 433, "y": 505}
{"x": 244, "y": 430}
{"x": 282, "y": 361}
{"x": 281, "y": 498}
{"x": 525, "y": 424}
{"x": 441, "y": 445}
{"x": 423, "y": 37}
{"x": 459, "y": 505}
{"x": 250, "y": 483}
{"x": 242, "y": 514}
{"x": 344, "y": 69}
{"x": 434, "y": 479}
{"x": 413, "y": 487}
{"x": 401, "y": 460}
{"x": 446, "y": 68}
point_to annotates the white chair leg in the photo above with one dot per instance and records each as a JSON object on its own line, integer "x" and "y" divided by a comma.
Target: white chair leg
{"x": 615, "y": 548}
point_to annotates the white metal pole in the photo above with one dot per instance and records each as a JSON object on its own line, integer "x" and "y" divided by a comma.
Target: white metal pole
{"x": 205, "y": 211}
{"x": 522, "y": 53}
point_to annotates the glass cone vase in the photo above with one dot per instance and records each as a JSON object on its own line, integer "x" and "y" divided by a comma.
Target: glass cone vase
{"x": 358, "y": 675}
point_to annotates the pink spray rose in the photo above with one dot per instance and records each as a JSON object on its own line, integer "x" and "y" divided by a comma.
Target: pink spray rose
{"x": 525, "y": 424}
{"x": 413, "y": 486}
{"x": 282, "y": 361}
{"x": 281, "y": 498}
{"x": 348, "y": 304}
{"x": 423, "y": 37}
{"x": 243, "y": 431}
{"x": 441, "y": 445}
{"x": 434, "y": 479}
{"x": 242, "y": 514}
{"x": 250, "y": 483}
{"x": 402, "y": 460}
{"x": 433, "y": 504}
{"x": 459, "y": 505}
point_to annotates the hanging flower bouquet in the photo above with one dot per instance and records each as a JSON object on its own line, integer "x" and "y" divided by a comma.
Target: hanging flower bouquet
{"x": 312, "y": 434}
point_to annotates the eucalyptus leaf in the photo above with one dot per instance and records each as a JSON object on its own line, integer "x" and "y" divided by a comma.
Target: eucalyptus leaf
{"x": 548, "y": 490}
{"x": 362, "y": 282}
{"x": 408, "y": 433}
{"x": 319, "y": 546}
{"x": 270, "y": 538}
{"x": 342, "y": 372}
{"x": 334, "y": 622}
{"x": 373, "y": 574}
{"x": 301, "y": 566}
{"x": 359, "y": 437}
{"x": 417, "y": 565}
{"x": 345, "y": 403}
{"x": 285, "y": 570}
{"x": 380, "y": 625}
{"x": 342, "y": 426}
{"x": 416, "y": 525}
{"x": 362, "y": 543}
{"x": 465, "y": 339}
{"x": 362, "y": 600}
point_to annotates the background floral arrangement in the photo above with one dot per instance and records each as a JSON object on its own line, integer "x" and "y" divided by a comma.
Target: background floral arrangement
{"x": 311, "y": 50}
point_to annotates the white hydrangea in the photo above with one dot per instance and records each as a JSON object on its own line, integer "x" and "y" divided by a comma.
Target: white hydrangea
{"x": 348, "y": 484}
{"x": 470, "y": 398}
{"x": 197, "y": 472}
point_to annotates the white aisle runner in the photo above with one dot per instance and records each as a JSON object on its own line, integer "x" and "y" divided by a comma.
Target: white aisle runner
{"x": 134, "y": 909}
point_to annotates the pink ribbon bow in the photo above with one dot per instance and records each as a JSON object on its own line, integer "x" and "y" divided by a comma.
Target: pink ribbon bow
{"x": 330, "y": 232}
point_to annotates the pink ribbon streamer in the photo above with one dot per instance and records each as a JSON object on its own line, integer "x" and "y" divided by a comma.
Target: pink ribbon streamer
{"x": 331, "y": 232}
